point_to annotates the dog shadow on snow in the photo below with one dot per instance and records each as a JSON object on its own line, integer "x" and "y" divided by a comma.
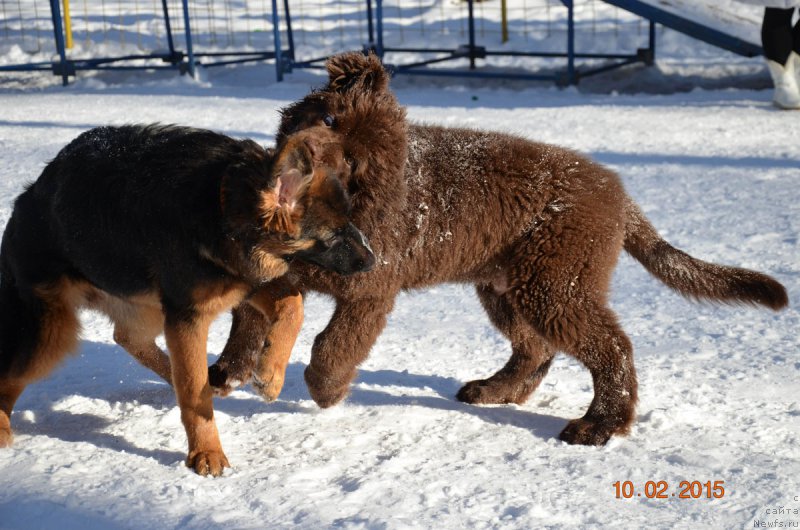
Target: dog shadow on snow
{"x": 106, "y": 373}
{"x": 540, "y": 425}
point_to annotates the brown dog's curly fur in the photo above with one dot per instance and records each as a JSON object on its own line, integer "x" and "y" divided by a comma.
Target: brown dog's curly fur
{"x": 536, "y": 228}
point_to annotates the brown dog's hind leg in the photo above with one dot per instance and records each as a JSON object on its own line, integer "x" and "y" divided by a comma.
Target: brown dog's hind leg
{"x": 530, "y": 359}
{"x": 563, "y": 282}
{"x": 608, "y": 354}
{"x": 591, "y": 334}
{"x": 343, "y": 345}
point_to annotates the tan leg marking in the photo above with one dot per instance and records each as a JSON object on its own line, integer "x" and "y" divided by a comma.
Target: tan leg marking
{"x": 187, "y": 344}
{"x": 285, "y": 312}
{"x": 186, "y": 340}
{"x": 9, "y": 392}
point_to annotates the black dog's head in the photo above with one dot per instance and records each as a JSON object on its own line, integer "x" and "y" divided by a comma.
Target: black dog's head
{"x": 292, "y": 205}
{"x": 310, "y": 167}
{"x": 357, "y": 106}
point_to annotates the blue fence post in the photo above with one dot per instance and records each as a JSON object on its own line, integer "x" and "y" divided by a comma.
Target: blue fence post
{"x": 289, "y": 32}
{"x": 471, "y": 25}
{"x": 652, "y": 41}
{"x": 571, "y": 75}
{"x": 55, "y": 12}
{"x": 189, "y": 48}
{"x": 168, "y": 27}
{"x": 379, "y": 27}
{"x": 276, "y": 34}
{"x": 370, "y": 29}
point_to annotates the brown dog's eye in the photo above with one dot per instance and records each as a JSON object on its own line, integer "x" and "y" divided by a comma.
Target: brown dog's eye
{"x": 328, "y": 120}
{"x": 351, "y": 163}
{"x": 352, "y": 187}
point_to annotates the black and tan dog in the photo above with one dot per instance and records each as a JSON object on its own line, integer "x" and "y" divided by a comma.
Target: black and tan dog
{"x": 536, "y": 228}
{"x": 162, "y": 228}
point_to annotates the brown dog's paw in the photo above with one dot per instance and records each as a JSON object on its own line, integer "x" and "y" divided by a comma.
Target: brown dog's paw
{"x": 207, "y": 462}
{"x": 585, "y": 432}
{"x": 221, "y": 391}
{"x": 6, "y": 437}
{"x": 488, "y": 392}
{"x": 326, "y": 391}
{"x": 218, "y": 379}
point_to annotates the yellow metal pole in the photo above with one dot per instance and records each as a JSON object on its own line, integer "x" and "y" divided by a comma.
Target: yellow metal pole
{"x": 503, "y": 22}
{"x": 67, "y": 25}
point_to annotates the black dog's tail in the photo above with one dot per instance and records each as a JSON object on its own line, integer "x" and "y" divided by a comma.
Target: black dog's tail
{"x": 695, "y": 278}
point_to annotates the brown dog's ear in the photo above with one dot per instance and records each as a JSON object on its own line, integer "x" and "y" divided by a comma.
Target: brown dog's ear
{"x": 351, "y": 69}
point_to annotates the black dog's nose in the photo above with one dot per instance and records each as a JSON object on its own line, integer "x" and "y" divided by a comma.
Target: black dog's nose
{"x": 363, "y": 257}
{"x": 367, "y": 263}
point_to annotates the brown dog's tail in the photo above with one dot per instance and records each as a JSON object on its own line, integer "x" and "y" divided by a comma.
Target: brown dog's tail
{"x": 695, "y": 278}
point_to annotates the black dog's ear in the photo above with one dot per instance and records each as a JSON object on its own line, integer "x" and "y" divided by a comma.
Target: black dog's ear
{"x": 348, "y": 70}
{"x": 290, "y": 186}
{"x": 293, "y": 171}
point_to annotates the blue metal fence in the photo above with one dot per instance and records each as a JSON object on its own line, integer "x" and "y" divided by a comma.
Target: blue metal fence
{"x": 491, "y": 39}
{"x": 179, "y": 35}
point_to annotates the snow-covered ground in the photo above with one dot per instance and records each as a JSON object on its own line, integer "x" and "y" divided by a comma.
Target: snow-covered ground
{"x": 99, "y": 445}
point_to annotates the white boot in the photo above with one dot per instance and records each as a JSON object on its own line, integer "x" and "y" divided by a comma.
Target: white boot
{"x": 787, "y": 93}
{"x": 795, "y": 59}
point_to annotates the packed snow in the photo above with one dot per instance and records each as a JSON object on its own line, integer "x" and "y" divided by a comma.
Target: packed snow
{"x": 100, "y": 445}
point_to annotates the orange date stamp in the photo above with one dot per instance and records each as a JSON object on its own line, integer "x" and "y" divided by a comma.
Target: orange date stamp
{"x": 659, "y": 489}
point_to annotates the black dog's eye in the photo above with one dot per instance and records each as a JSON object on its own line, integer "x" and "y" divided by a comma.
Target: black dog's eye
{"x": 328, "y": 120}
{"x": 329, "y": 243}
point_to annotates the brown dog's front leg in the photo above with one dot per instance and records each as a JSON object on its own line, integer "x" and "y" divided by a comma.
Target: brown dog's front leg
{"x": 247, "y": 342}
{"x": 342, "y": 346}
{"x": 186, "y": 341}
{"x": 282, "y": 304}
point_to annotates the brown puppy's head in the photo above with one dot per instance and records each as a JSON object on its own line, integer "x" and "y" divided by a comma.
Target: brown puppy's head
{"x": 357, "y": 106}
{"x": 292, "y": 204}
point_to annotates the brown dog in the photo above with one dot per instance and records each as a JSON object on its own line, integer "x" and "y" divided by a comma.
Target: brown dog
{"x": 536, "y": 228}
{"x": 162, "y": 228}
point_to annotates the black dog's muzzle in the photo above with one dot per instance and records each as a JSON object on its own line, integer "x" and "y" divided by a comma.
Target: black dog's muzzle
{"x": 349, "y": 254}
